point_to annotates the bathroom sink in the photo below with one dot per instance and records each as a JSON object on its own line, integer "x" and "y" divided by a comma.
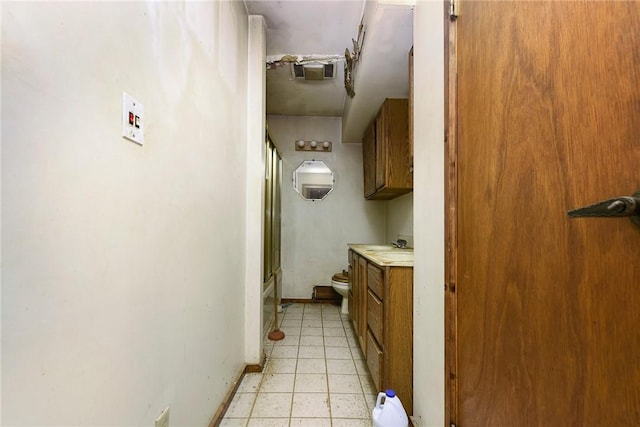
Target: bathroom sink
{"x": 404, "y": 256}
{"x": 376, "y": 248}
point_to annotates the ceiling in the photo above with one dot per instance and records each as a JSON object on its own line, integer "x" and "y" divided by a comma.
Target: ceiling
{"x": 320, "y": 31}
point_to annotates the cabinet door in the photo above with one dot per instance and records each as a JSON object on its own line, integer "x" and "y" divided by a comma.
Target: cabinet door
{"x": 355, "y": 286}
{"x": 369, "y": 159}
{"x": 386, "y": 152}
{"x": 362, "y": 301}
{"x": 381, "y": 141}
{"x": 398, "y": 175}
{"x": 375, "y": 361}
{"x": 375, "y": 317}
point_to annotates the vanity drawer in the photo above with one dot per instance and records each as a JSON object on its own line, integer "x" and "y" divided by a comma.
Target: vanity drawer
{"x": 374, "y": 278}
{"x": 374, "y": 315}
{"x": 374, "y": 361}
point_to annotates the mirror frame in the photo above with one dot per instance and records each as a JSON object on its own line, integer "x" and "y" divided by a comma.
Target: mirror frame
{"x": 313, "y": 191}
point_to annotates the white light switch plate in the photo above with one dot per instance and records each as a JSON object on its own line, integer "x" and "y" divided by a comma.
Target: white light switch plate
{"x": 132, "y": 119}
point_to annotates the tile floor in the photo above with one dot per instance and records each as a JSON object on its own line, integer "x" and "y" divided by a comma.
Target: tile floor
{"x": 314, "y": 377}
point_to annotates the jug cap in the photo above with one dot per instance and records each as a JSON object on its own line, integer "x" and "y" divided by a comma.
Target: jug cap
{"x": 390, "y": 393}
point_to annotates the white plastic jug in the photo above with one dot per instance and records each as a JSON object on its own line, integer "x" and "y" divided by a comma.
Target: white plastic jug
{"x": 389, "y": 411}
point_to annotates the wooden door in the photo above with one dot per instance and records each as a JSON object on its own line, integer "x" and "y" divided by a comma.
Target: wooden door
{"x": 546, "y": 309}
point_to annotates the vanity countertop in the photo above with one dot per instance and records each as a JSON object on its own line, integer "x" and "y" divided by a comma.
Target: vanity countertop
{"x": 384, "y": 255}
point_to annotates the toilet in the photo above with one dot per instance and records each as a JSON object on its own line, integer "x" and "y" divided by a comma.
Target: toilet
{"x": 340, "y": 282}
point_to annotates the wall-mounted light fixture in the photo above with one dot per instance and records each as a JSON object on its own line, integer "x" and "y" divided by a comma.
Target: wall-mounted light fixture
{"x": 313, "y": 145}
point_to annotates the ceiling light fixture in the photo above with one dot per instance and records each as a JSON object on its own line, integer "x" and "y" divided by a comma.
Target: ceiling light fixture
{"x": 313, "y": 145}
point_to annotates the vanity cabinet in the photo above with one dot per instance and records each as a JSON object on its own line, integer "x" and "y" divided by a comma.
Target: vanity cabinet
{"x": 382, "y": 315}
{"x": 386, "y": 153}
{"x": 358, "y": 294}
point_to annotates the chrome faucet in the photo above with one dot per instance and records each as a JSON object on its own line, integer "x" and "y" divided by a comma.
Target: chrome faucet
{"x": 400, "y": 243}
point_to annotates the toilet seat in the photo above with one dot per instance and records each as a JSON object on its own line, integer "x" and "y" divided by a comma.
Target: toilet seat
{"x": 340, "y": 277}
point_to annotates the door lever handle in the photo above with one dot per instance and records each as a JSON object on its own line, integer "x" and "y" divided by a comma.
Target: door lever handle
{"x": 617, "y": 207}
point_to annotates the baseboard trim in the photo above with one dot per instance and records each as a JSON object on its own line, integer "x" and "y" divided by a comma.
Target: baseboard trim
{"x": 226, "y": 402}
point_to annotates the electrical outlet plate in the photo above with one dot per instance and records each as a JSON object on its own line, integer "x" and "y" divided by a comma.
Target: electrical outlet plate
{"x": 163, "y": 419}
{"x": 132, "y": 119}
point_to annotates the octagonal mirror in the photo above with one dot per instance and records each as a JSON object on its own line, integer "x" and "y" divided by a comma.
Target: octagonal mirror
{"x": 313, "y": 180}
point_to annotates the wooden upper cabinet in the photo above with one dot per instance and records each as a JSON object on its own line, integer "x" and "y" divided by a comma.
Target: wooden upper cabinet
{"x": 369, "y": 158}
{"x": 386, "y": 153}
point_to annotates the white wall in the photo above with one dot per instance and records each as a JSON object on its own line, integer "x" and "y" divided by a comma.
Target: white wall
{"x": 315, "y": 234}
{"x": 428, "y": 211}
{"x": 123, "y": 266}
{"x": 400, "y": 219}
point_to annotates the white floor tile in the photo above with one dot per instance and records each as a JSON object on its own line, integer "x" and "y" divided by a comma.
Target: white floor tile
{"x": 312, "y": 323}
{"x": 341, "y": 366}
{"x": 234, "y": 422}
{"x": 353, "y": 341}
{"x": 337, "y": 353}
{"x": 346, "y": 422}
{"x": 285, "y": 352}
{"x": 288, "y": 340}
{"x": 361, "y": 367}
{"x": 310, "y": 405}
{"x": 344, "y": 384}
{"x": 356, "y": 353}
{"x": 348, "y": 330}
{"x": 311, "y": 316}
{"x": 240, "y": 406}
{"x": 277, "y": 383}
{"x": 314, "y": 340}
{"x": 272, "y": 405}
{"x": 311, "y": 383}
{"x": 286, "y": 321}
{"x": 315, "y": 377}
{"x": 334, "y": 332}
{"x": 368, "y": 387}
{"x": 290, "y": 330}
{"x": 268, "y": 422}
{"x": 332, "y": 324}
{"x": 311, "y": 331}
{"x": 280, "y": 366}
{"x": 371, "y": 401}
{"x": 336, "y": 342}
{"x": 331, "y": 315}
{"x": 311, "y": 366}
{"x": 267, "y": 347}
{"x": 250, "y": 383}
{"x": 311, "y": 352}
{"x": 311, "y": 422}
{"x": 348, "y": 406}
{"x": 292, "y": 315}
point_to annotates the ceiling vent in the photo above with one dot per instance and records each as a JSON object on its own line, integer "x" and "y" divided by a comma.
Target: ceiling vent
{"x": 314, "y": 71}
